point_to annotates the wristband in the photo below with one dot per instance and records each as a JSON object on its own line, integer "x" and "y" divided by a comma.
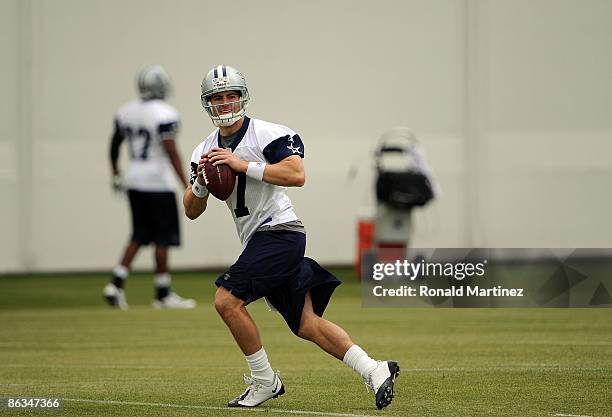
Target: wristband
{"x": 255, "y": 170}
{"x": 199, "y": 190}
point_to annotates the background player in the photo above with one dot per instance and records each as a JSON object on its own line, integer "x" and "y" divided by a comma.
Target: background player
{"x": 149, "y": 125}
{"x": 268, "y": 157}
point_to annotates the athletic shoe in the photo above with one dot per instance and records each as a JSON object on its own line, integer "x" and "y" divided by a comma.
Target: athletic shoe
{"x": 115, "y": 296}
{"x": 381, "y": 380}
{"x": 256, "y": 392}
{"x": 173, "y": 300}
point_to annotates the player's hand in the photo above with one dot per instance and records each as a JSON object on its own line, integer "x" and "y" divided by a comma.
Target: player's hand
{"x": 220, "y": 156}
{"x": 117, "y": 183}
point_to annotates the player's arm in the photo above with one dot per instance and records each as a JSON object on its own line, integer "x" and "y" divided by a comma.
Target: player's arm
{"x": 289, "y": 172}
{"x": 175, "y": 159}
{"x": 116, "y": 140}
{"x": 195, "y": 205}
{"x": 167, "y": 133}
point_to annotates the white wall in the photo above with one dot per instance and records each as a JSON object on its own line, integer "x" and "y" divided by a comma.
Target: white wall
{"x": 510, "y": 99}
{"x": 10, "y": 127}
{"x": 547, "y": 142}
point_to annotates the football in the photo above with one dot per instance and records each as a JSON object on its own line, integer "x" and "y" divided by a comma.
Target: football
{"x": 220, "y": 180}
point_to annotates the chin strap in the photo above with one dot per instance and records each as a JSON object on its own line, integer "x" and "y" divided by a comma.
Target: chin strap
{"x": 227, "y": 121}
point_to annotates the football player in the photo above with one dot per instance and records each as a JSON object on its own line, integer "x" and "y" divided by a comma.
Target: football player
{"x": 267, "y": 158}
{"x": 149, "y": 126}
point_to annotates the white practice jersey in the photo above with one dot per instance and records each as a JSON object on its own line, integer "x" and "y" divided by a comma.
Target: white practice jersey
{"x": 144, "y": 124}
{"x": 254, "y": 203}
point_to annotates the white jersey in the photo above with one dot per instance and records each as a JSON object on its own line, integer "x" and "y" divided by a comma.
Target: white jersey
{"x": 144, "y": 124}
{"x": 256, "y": 204}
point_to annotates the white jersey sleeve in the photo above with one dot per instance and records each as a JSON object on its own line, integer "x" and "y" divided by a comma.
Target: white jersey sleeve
{"x": 277, "y": 142}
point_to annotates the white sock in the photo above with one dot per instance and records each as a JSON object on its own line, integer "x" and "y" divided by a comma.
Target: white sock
{"x": 121, "y": 271}
{"x": 260, "y": 367}
{"x": 162, "y": 280}
{"x": 359, "y": 360}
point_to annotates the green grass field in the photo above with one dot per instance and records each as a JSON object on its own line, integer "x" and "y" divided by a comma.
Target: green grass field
{"x": 57, "y": 338}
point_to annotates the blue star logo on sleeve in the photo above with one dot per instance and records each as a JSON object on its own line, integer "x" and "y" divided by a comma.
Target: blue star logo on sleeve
{"x": 294, "y": 149}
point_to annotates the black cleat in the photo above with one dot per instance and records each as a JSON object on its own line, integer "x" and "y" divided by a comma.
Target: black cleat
{"x": 382, "y": 380}
{"x": 115, "y": 297}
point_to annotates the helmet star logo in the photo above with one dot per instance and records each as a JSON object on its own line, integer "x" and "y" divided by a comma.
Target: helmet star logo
{"x": 220, "y": 82}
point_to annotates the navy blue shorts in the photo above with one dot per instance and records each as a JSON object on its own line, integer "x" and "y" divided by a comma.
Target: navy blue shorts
{"x": 154, "y": 218}
{"x": 273, "y": 266}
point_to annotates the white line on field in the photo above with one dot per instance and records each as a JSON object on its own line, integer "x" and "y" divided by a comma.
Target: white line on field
{"x": 205, "y": 407}
{"x": 569, "y": 415}
{"x": 509, "y": 368}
